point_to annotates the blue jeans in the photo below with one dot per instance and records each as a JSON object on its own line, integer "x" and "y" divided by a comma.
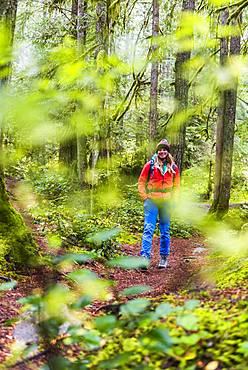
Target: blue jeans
{"x": 153, "y": 209}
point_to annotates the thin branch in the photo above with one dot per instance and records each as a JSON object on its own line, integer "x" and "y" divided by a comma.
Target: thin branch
{"x": 132, "y": 7}
{"x": 201, "y": 6}
{"x": 210, "y": 113}
{"x": 4, "y": 278}
{"x": 135, "y": 92}
{"x": 237, "y": 12}
{"x": 137, "y": 81}
{"x": 242, "y": 100}
{"x": 201, "y": 68}
{"x": 31, "y": 358}
{"x": 230, "y": 5}
{"x": 168, "y": 120}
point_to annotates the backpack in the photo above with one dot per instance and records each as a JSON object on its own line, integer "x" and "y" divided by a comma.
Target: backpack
{"x": 151, "y": 170}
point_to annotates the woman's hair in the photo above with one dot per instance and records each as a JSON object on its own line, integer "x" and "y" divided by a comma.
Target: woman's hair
{"x": 170, "y": 161}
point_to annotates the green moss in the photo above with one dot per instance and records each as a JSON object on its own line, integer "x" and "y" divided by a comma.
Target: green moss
{"x": 17, "y": 247}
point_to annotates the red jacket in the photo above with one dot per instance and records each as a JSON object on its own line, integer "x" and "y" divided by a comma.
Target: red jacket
{"x": 158, "y": 186}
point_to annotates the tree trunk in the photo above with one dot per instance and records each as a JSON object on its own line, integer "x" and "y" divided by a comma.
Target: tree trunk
{"x": 72, "y": 152}
{"x": 68, "y": 152}
{"x": 225, "y": 131}
{"x": 8, "y": 10}
{"x": 153, "y": 115}
{"x": 101, "y": 27}
{"x": 102, "y": 37}
{"x": 81, "y": 28}
{"x": 181, "y": 96}
{"x": 17, "y": 248}
{"x": 68, "y": 148}
{"x": 221, "y": 115}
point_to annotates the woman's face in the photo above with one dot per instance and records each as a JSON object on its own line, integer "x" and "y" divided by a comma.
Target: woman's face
{"x": 162, "y": 153}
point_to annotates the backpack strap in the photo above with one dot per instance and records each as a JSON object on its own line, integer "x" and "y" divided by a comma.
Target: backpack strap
{"x": 151, "y": 169}
{"x": 174, "y": 166}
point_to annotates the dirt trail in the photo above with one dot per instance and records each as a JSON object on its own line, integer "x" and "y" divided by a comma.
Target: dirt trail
{"x": 185, "y": 261}
{"x": 184, "y": 264}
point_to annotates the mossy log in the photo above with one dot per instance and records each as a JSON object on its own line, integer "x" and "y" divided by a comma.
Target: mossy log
{"x": 17, "y": 247}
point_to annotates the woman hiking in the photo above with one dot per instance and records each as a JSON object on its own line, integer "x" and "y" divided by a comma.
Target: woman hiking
{"x": 158, "y": 178}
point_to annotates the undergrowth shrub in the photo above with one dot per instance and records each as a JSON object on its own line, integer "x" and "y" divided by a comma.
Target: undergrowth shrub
{"x": 239, "y": 186}
{"x": 74, "y": 226}
{"x": 51, "y": 184}
{"x": 229, "y": 271}
{"x": 81, "y": 230}
{"x": 174, "y": 333}
{"x": 237, "y": 218}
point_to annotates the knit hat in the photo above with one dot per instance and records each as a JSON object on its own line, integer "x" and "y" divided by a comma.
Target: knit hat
{"x": 163, "y": 144}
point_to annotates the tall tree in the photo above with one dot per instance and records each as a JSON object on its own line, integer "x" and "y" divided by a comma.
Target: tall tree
{"x": 225, "y": 128}
{"x": 16, "y": 244}
{"x": 102, "y": 38}
{"x": 68, "y": 148}
{"x": 153, "y": 114}
{"x": 181, "y": 94}
{"x": 79, "y": 13}
{"x": 102, "y": 31}
{"x": 8, "y": 10}
{"x": 73, "y": 151}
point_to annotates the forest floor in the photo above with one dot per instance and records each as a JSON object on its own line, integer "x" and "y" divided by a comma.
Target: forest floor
{"x": 186, "y": 262}
{"x": 186, "y": 259}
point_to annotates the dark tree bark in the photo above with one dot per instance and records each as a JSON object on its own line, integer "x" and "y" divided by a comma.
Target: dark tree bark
{"x": 82, "y": 21}
{"x": 68, "y": 152}
{"x": 102, "y": 32}
{"x": 181, "y": 96}
{"x": 101, "y": 146}
{"x": 72, "y": 152}
{"x": 153, "y": 115}
{"x": 79, "y": 17}
{"x": 8, "y": 10}
{"x": 81, "y": 139}
{"x": 221, "y": 116}
{"x": 225, "y": 129}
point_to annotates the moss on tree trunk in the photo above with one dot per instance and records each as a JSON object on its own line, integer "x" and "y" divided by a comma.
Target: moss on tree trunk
{"x": 17, "y": 247}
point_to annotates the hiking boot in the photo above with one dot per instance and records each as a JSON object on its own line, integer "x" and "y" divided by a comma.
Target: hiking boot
{"x": 163, "y": 263}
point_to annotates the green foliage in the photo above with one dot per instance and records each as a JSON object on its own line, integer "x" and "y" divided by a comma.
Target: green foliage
{"x": 92, "y": 233}
{"x": 178, "y": 342}
{"x": 104, "y": 243}
{"x": 169, "y": 333}
{"x": 239, "y": 187}
{"x": 72, "y": 92}
{"x": 133, "y": 160}
{"x": 127, "y": 262}
{"x": 229, "y": 271}
{"x": 237, "y": 218}
{"x": 8, "y": 285}
{"x": 49, "y": 181}
{"x": 195, "y": 179}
